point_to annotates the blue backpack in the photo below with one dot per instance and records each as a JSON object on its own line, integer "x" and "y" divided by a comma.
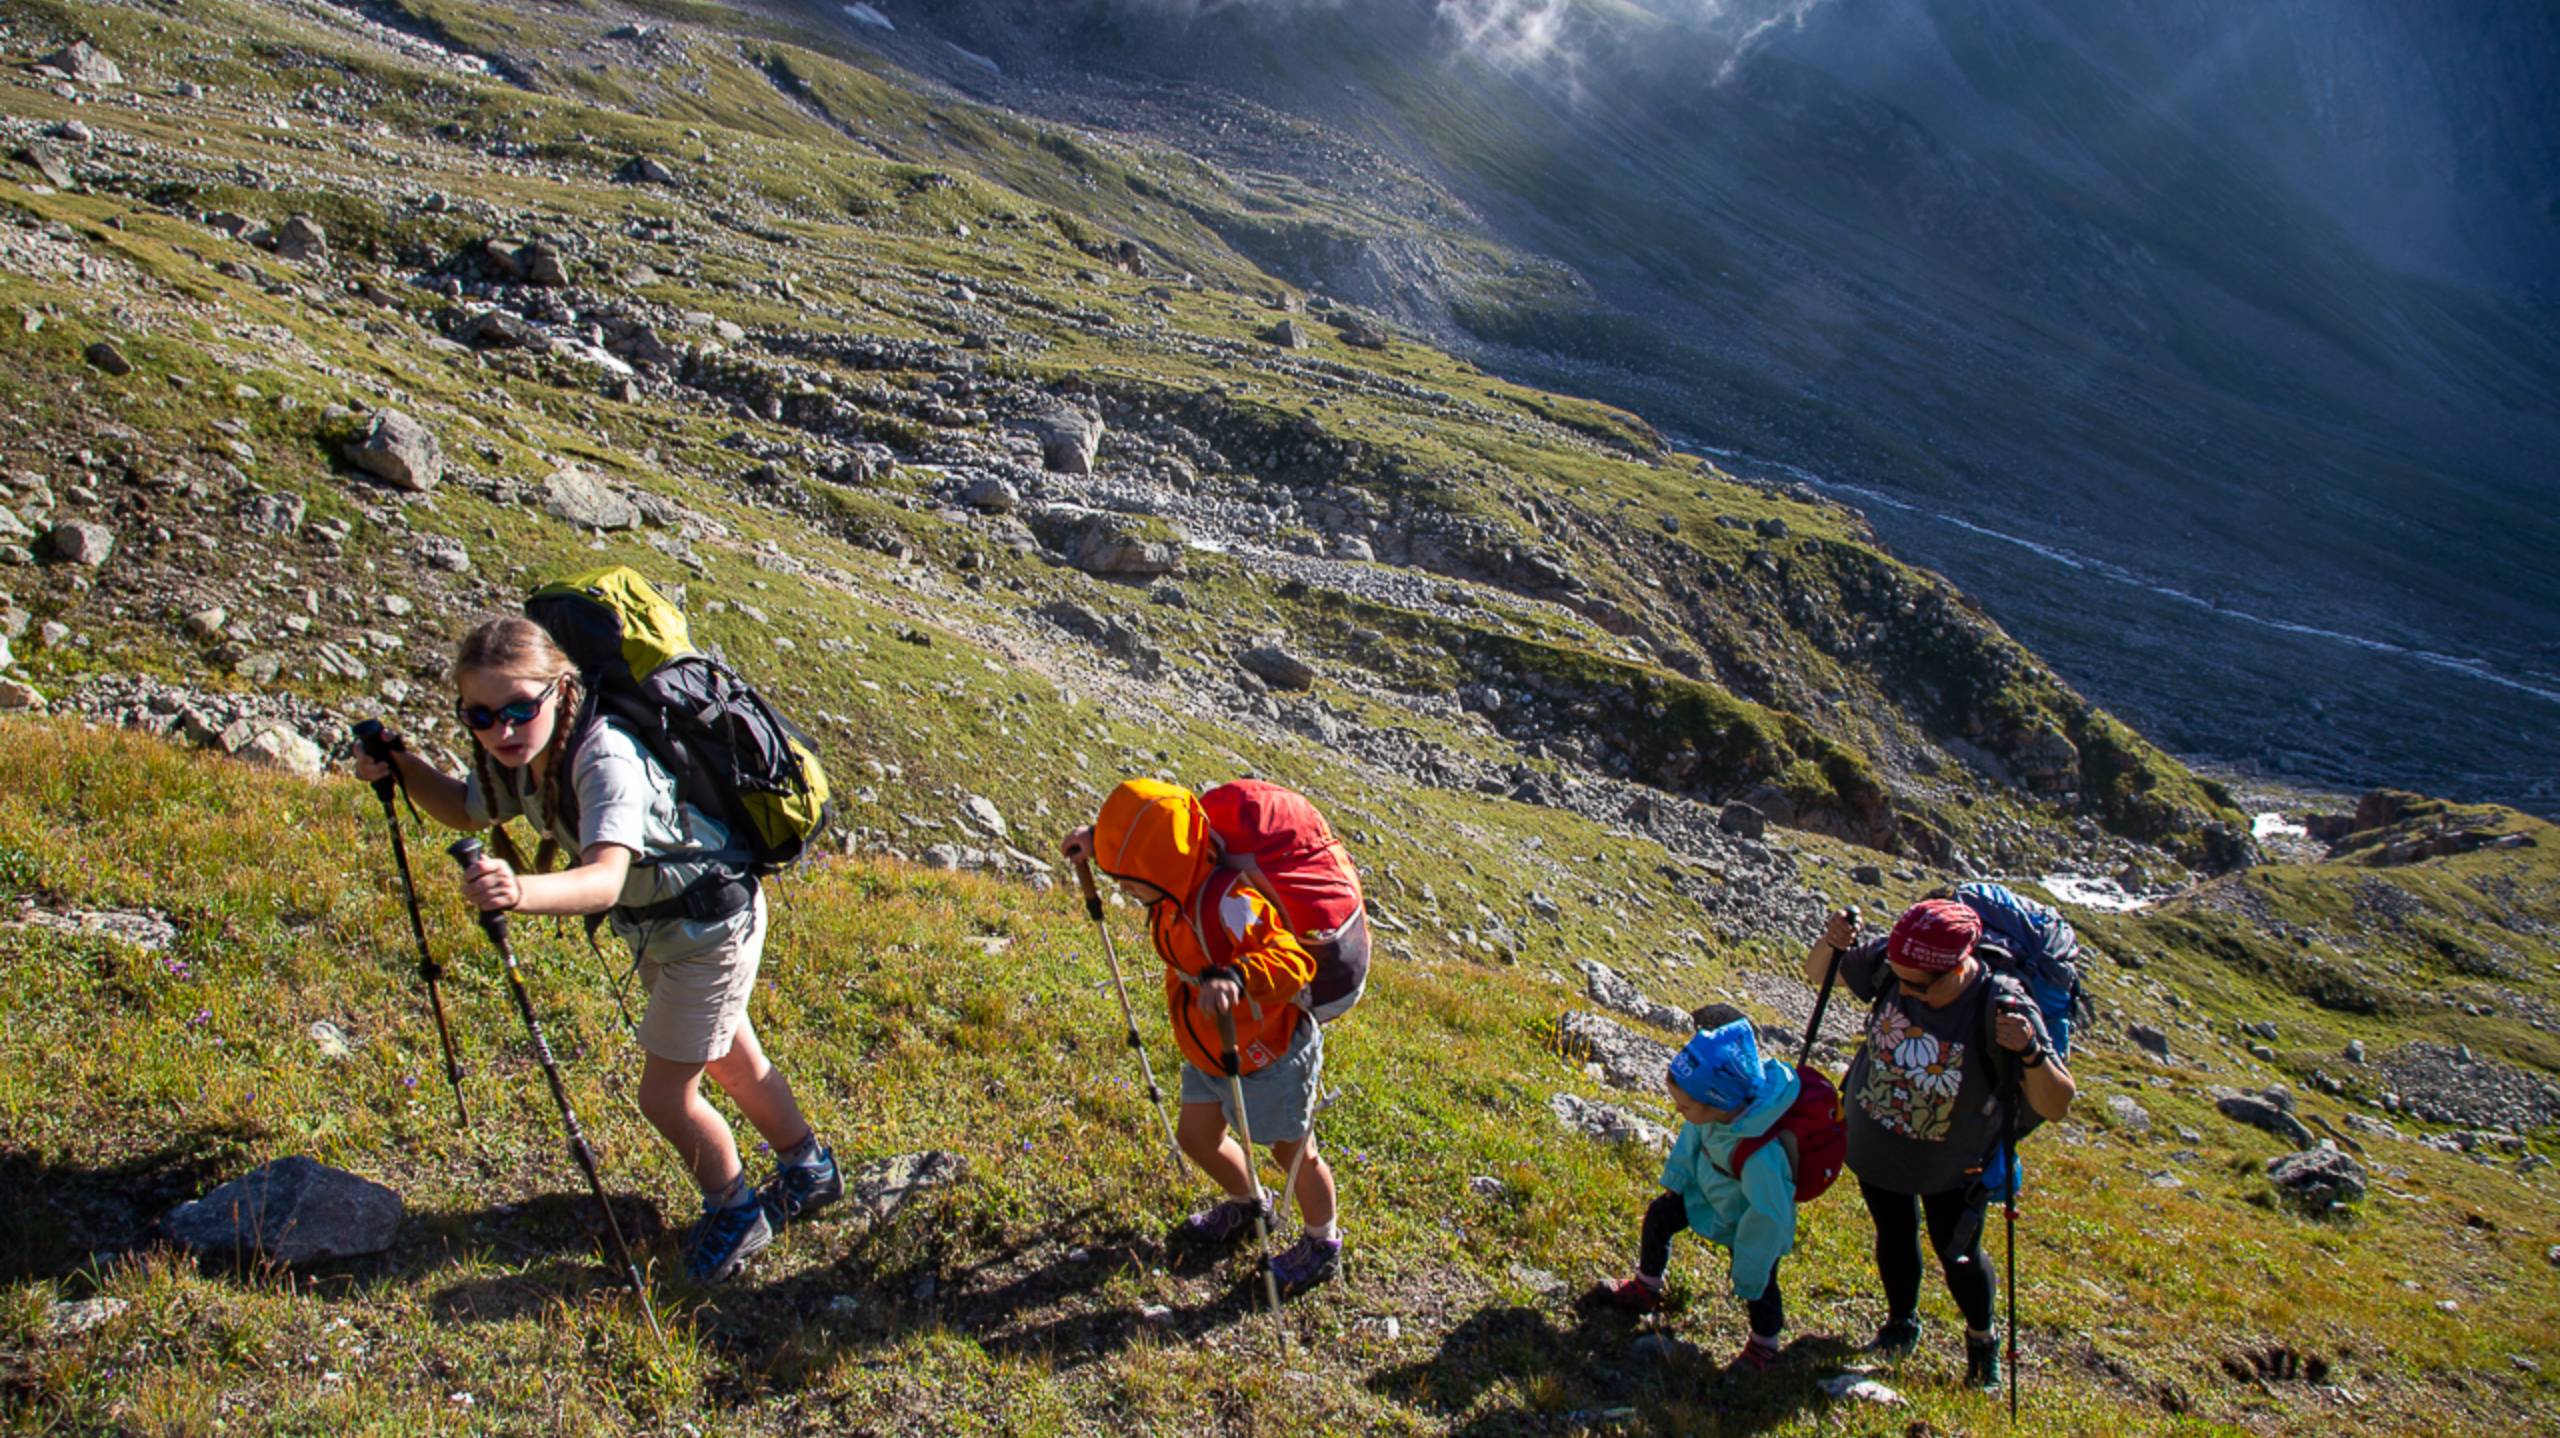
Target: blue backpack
{"x": 2033, "y": 944}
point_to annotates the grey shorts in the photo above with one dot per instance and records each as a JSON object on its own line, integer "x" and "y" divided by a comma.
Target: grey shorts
{"x": 1279, "y": 1098}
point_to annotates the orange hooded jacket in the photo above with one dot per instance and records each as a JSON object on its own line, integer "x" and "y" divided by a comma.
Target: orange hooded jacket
{"x": 1157, "y": 833}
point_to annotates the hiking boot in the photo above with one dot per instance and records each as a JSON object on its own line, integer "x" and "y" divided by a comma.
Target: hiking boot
{"x": 1628, "y": 1295}
{"x": 1757, "y": 1356}
{"x": 1223, "y": 1222}
{"x": 1982, "y": 1361}
{"x": 1308, "y": 1262}
{"x": 1896, "y": 1339}
{"x": 724, "y": 1240}
{"x": 801, "y": 1189}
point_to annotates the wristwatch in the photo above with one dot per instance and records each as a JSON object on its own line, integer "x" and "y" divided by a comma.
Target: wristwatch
{"x": 2033, "y": 1058}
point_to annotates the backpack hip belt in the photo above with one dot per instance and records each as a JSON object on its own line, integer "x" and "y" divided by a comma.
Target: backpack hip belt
{"x": 708, "y": 900}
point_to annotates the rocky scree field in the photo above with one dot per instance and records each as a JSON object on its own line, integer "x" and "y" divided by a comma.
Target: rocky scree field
{"x": 330, "y": 331}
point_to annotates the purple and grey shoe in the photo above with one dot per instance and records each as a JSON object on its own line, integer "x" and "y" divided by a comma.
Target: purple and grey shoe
{"x": 1223, "y": 1222}
{"x": 1308, "y": 1262}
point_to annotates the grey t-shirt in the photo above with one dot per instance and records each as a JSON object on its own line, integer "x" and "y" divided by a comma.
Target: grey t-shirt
{"x": 625, "y": 796}
{"x": 1923, "y": 1098}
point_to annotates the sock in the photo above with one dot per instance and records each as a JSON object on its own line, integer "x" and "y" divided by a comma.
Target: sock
{"x": 1649, "y": 1280}
{"x": 803, "y": 1154}
{"x": 733, "y": 1194}
{"x": 1325, "y": 1232}
{"x": 1769, "y": 1341}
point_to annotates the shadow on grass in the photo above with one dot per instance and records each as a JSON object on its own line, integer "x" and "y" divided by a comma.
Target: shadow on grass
{"x": 65, "y": 1217}
{"x": 1040, "y": 1294}
{"x": 556, "y": 1242}
{"x": 1590, "y": 1373}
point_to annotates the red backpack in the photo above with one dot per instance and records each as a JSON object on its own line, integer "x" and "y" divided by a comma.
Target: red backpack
{"x": 1814, "y": 1133}
{"x": 1276, "y": 840}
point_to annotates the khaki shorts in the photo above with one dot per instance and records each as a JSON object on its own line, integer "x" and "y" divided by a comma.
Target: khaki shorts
{"x": 697, "y": 1001}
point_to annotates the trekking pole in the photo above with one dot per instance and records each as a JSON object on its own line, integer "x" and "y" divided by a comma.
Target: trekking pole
{"x": 1316, "y": 1105}
{"x": 468, "y": 852}
{"x": 1261, "y": 1210}
{"x": 1830, "y": 976}
{"x": 2017, "y": 1094}
{"x": 1129, "y": 1016}
{"x": 378, "y": 744}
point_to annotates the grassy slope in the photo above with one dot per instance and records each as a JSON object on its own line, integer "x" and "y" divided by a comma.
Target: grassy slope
{"x": 884, "y": 1008}
{"x": 139, "y": 1077}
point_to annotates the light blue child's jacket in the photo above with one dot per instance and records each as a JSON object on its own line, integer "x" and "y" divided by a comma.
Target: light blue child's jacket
{"x": 1753, "y": 1215}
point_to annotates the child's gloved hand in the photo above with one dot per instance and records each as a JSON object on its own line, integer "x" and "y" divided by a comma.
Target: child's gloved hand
{"x": 491, "y": 886}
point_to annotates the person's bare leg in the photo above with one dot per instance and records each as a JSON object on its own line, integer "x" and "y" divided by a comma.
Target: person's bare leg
{"x": 1315, "y": 1181}
{"x": 759, "y": 1090}
{"x": 671, "y": 1099}
{"x": 1202, "y": 1132}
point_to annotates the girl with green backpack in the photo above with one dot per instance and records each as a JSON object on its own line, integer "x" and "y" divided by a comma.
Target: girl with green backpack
{"x": 695, "y": 929}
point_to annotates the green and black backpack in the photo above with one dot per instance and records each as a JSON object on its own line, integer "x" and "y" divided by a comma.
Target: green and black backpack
{"x": 732, "y": 753}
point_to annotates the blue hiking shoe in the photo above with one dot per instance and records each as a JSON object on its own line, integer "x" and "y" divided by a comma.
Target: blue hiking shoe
{"x": 798, "y": 1190}
{"x": 724, "y": 1240}
{"x": 1308, "y": 1262}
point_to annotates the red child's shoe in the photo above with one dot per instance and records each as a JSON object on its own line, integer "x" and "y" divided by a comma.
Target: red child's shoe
{"x": 1756, "y": 1357}
{"x": 1630, "y": 1295}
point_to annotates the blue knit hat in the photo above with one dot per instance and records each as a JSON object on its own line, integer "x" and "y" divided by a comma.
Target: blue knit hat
{"x": 1720, "y": 1067}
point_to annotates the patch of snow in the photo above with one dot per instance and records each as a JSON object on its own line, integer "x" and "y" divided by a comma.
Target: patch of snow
{"x": 2105, "y": 895}
{"x": 2276, "y": 826}
{"x": 870, "y": 16}
{"x": 974, "y": 58}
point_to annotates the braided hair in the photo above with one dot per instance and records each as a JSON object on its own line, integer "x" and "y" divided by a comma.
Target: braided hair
{"x": 518, "y": 647}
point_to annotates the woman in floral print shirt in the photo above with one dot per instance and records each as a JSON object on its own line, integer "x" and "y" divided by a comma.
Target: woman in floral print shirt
{"x": 1924, "y": 1096}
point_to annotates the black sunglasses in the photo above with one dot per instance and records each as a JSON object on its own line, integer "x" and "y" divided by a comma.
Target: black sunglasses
{"x": 520, "y": 713}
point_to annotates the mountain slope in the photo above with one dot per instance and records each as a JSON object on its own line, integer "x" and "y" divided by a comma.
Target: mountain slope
{"x": 2245, "y": 312}
{"x": 829, "y": 369}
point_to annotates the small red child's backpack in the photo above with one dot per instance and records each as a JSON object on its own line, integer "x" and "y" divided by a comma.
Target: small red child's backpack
{"x": 1280, "y": 842}
{"x": 1814, "y": 1133}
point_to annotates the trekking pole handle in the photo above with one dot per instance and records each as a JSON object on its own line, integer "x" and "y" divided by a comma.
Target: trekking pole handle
{"x": 379, "y": 744}
{"x": 1092, "y": 895}
{"x": 468, "y": 852}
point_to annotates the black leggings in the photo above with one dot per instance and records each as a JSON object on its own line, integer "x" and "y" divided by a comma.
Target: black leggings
{"x": 1669, "y": 1215}
{"x": 1897, "y": 1219}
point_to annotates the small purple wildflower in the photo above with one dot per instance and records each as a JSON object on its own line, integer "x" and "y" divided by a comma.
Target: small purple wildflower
{"x": 408, "y": 1080}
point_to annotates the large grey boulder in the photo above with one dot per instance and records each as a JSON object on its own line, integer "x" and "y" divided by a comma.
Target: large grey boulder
{"x": 1069, "y": 440}
{"x": 1278, "y": 667}
{"x": 2260, "y": 1112}
{"x": 303, "y": 241}
{"x": 2317, "y": 1179}
{"x": 1102, "y": 543}
{"x": 582, "y": 499}
{"x": 1742, "y": 820}
{"x": 80, "y": 542}
{"x": 400, "y": 452}
{"x": 1627, "y": 1060}
{"x": 992, "y": 494}
{"x": 84, "y": 64}
{"x": 290, "y": 1211}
